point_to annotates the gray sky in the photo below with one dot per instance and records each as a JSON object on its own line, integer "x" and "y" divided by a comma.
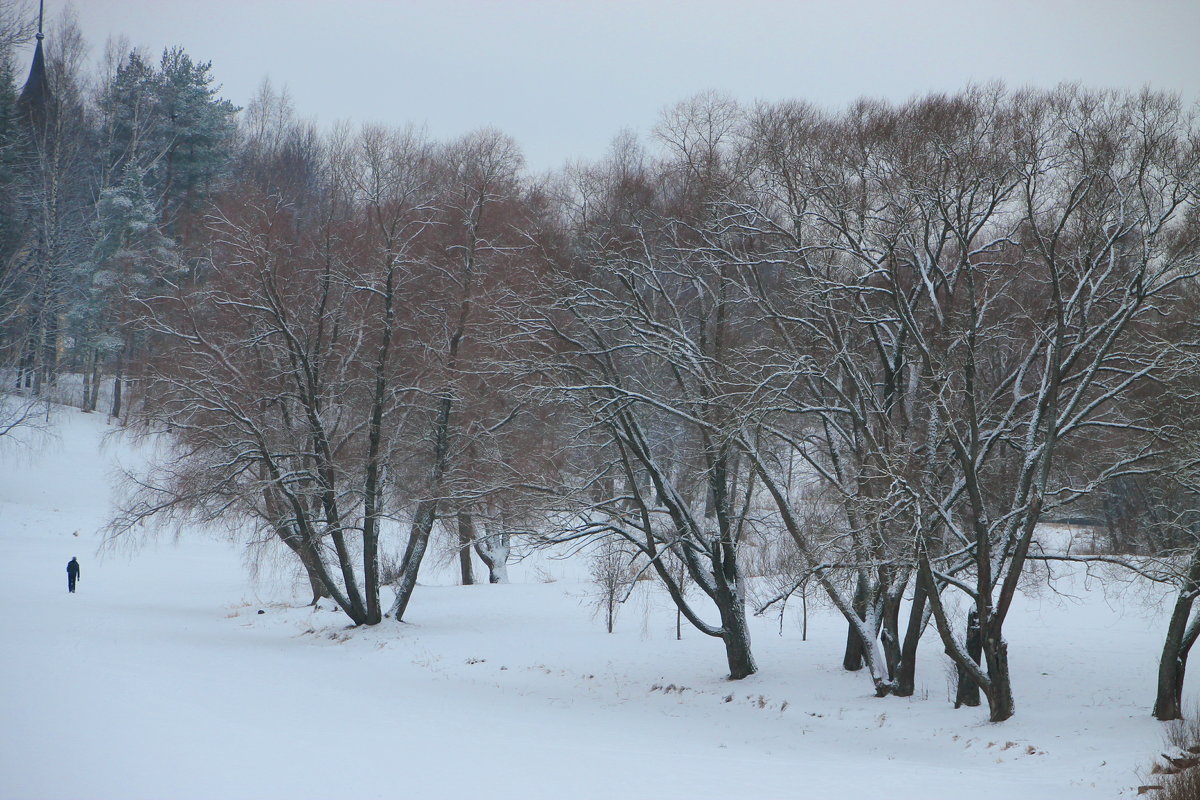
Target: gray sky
{"x": 563, "y": 76}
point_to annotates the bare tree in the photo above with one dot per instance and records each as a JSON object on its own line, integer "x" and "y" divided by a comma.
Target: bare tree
{"x": 281, "y": 385}
{"x": 613, "y": 571}
{"x": 1000, "y": 290}
{"x": 474, "y": 256}
{"x": 641, "y": 345}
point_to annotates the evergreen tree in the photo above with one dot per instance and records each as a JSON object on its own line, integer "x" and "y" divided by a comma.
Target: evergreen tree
{"x": 169, "y": 122}
{"x": 8, "y": 156}
{"x": 197, "y": 136}
{"x": 130, "y": 251}
{"x": 131, "y": 118}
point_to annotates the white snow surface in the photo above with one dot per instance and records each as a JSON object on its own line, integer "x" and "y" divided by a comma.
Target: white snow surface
{"x": 160, "y": 679}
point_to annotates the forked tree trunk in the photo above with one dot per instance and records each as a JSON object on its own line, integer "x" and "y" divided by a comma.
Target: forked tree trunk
{"x": 852, "y": 660}
{"x": 1172, "y": 666}
{"x": 414, "y": 554}
{"x": 493, "y": 550}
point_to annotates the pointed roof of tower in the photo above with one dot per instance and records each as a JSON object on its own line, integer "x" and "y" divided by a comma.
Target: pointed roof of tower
{"x": 36, "y": 92}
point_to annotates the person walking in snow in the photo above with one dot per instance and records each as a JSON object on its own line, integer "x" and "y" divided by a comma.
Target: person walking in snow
{"x": 72, "y": 574}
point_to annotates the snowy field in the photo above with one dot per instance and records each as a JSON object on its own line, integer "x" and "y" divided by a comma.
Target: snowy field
{"x": 160, "y": 679}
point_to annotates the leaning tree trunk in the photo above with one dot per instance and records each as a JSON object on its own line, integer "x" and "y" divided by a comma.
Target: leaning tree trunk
{"x": 1172, "y": 666}
{"x": 427, "y": 510}
{"x": 1181, "y": 635}
{"x": 414, "y": 554}
{"x": 295, "y": 541}
{"x": 308, "y": 557}
{"x": 313, "y": 569}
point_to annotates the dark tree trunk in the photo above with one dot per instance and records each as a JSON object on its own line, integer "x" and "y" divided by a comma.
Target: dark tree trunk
{"x": 489, "y": 562}
{"x": 968, "y": 689}
{"x": 1181, "y": 635}
{"x": 315, "y": 583}
{"x": 466, "y": 538}
{"x": 310, "y": 559}
{"x": 890, "y": 631}
{"x": 86, "y": 405}
{"x": 94, "y": 400}
{"x": 999, "y": 694}
{"x": 736, "y": 637}
{"x": 414, "y": 553}
{"x": 295, "y": 541}
{"x": 1172, "y": 665}
{"x": 117, "y": 381}
{"x": 906, "y": 675}
{"x": 853, "y": 658}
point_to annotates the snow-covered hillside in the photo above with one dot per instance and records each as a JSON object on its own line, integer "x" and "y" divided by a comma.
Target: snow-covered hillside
{"x": 161, "y": 679}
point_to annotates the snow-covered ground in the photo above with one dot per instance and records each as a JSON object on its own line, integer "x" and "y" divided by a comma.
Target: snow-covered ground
{"x": 160, "y": 679}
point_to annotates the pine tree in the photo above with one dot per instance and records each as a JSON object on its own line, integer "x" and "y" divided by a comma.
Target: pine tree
{"x": 197, "y": 133}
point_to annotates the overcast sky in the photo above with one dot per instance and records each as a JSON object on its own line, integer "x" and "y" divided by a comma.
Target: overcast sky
{"x": 563, "y": 76}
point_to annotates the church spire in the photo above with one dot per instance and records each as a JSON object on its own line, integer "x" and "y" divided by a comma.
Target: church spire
{"x": 36, "y": 92}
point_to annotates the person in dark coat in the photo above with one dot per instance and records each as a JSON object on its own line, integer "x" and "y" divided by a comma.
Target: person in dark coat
{"x": 72, "y": 574}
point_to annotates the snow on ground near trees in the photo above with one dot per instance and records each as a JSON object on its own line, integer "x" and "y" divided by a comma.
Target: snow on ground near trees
{"x": 159, "y": 679}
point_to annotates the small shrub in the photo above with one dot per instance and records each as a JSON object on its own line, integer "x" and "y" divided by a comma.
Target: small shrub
{"x": 1178, "y": 777}
{"x": 1180, "y": 786}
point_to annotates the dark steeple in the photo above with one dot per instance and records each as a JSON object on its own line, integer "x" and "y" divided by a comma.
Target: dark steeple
{"x": 36, "y": 94}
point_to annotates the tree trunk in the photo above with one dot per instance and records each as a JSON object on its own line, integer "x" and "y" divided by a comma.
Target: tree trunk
{"x": 306, "y": 555}
{"x": 493, "y": 551}
{"x": 118, "y": 375}
{"x": 736, "y": 637}
{"x": 968, "y": 689}
{"x": 498, "y": 572}
{"x": 852, "y": 661}
{"x": 414, "y": 553}
{"x": 999, "y": 693}
{"x": 295, "y": 541}
{"x": 906, "y": 675}
{"x": 315, "y": 585}
{"x": 466, "y": 537}
{"x": 86, "y": 406}
{"x": 94, "y": 400}
{"x": 890, "y": 631}
{"x": 1173, "y": 663}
